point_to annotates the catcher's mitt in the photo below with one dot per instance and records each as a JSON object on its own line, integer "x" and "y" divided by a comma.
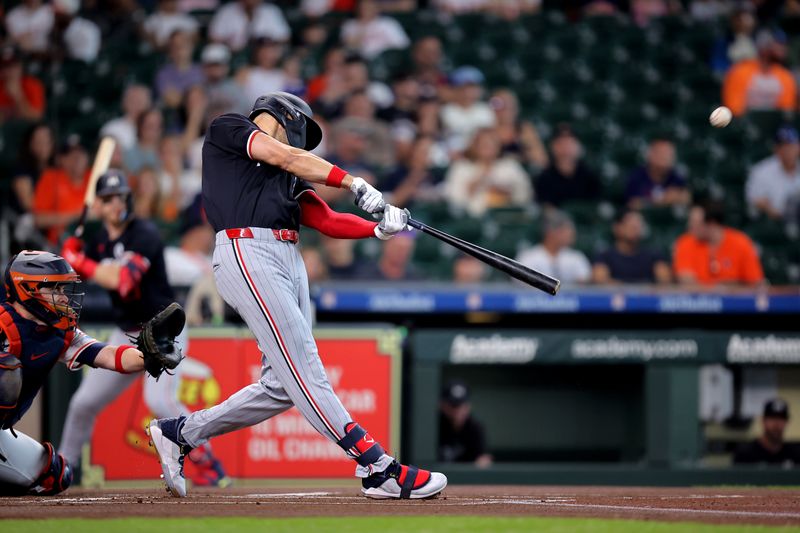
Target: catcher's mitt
{"x": 157, "y": 340}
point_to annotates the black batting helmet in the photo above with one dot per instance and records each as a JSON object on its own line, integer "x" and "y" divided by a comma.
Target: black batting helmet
{"x": 29, "y": 272}
{"x": 294, "y": 115}
{"x": 114, "y": 182}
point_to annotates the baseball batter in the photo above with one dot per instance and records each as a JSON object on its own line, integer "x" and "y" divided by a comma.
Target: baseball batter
{"x": 256, "y": 192}
{"x": 126, "y": 257}
{"x": 38, "y": 328}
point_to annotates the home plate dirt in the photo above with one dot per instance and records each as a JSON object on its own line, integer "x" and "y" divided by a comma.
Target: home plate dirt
{"x": 714, "y": 505}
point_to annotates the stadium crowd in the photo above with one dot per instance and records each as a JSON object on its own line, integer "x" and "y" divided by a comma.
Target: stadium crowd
{"x": 433, "y": 132}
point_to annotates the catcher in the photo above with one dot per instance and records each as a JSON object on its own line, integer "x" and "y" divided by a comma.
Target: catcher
{"x": 38, "y": 328}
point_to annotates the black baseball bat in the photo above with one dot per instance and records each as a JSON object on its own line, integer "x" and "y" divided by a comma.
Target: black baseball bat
{"x": 514, "y": 269}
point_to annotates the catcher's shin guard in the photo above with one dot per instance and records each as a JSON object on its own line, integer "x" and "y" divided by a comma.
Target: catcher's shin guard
{"x": 56, "y": 476}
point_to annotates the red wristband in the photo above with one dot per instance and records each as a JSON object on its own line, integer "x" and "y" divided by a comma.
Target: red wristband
{"x": 118, "y": 358}
{"x": 335, "y": 177}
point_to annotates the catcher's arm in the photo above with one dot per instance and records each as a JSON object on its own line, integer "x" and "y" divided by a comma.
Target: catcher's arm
{"x": 129, "y": 360}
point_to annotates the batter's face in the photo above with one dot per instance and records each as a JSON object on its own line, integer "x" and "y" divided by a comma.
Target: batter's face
{"x": 112, "y": 209}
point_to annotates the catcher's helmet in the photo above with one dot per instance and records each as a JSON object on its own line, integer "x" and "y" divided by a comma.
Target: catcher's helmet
{"x": 114, "y": 182}
{"x": 29, "y": 272}
{"x": 294, "y": 115}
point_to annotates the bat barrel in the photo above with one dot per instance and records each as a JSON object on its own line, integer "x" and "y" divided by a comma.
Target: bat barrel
{"x": 513, "y": 268}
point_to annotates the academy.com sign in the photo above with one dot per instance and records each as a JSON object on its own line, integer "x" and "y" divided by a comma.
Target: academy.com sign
{"x": 633, "y": 348}
{"x": 493, "y": 349}
{"x": 765, "y": 349}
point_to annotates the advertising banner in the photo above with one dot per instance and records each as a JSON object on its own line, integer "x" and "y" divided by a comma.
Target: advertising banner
{"x": 363, "y": 366}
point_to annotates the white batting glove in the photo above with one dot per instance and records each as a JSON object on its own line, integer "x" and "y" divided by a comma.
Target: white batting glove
{"x": 368, "y": 197}
{"x": 393, "y": 222}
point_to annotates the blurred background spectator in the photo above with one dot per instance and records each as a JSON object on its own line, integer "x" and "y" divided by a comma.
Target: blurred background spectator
{"x": 483, "y": 179}
{"x": 359, "y": 114}
{"x": 518, "y": 137}
{"x": 28, "y": 25}
{"x": 627, "y": 261}
{"x": 462, "y": 438}
{"x": 224, "y": 94}
{"x": 773, "y": 185}
{"x": 58, "y": 198}
{"x": 555, "y": 256}
{"x": 712, "y": 253}
{"x": 371, "y": 33}
{"x": 466, "y": 113}
{"x": 149, "y": 129}
{"x": 73, "y": 36}
{"x": 264, "y": 74}
{"x": 394, "y": 262}
{"x": 190, "y": 261}
{"x": 135, "y": 100}
{"x": 21, "y": 96}
{"x": 762, "y": 83}
{"x": 36, "y": 155}
{"x": 468, "y": 270}
{"x": 165, "y": 21}
{"x": 658, "y": 181}
{"x": 771, "y": 447}
{"x": 738, "y": 44}
{"x": 567, "y": 177}
{"x": 180, "y": 73}
{"x": 237, "y": 22}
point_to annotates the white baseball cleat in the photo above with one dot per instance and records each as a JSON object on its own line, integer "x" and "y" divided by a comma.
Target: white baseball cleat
{"x": 403, "y": 482}
{"x": 171, "y": 454}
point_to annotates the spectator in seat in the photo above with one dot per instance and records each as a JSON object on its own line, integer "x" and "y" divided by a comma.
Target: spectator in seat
{"x": 555, "y": 255}
{"x": 21, "y": 96}
{"x": 773, "y": 185}
{"x": 58, "y": 198}
{"x": 394, "y": 263}
{"x": 178, "y": 185}
{"x": 28, "y": 26}
{"x": 427, "y": 57}
{"x": 149, "y": 129}
{"x": 370, "y": 33}
{"x": 240, "y": 21}
{"x": 466, "y": 113}
{"x": 483, "y": 179}
{"x": 316, "y": 268}
{"x": 180, "y": 73}
{"x": 37, "y": 153}
{"x": 412, "y": 179}
{"x": 359, "y": 113}
{"x": 711, "y": 253}
{"x": 738, "y": 44}
{"x": 340, "y": 259}
{"x": 763, "y": 83}
{"x": 264, "y": 74}
{"x": 518, "y": 136}
{"x": 657, "y": 182}
{"x": 627, "y": 261}
{"x": 222, "y": 92}
{"x": 75, "y": 37}
{"x": 771, "y": 447}
{"x": 135, "y": 101}
{"x": 401, "y": 116}
{"x": 468, "y": 270}
{"x": 566, "y": 178}
{"x": 330, "y": 80}
{"x": 147, "y": 203}
{"x": 168, "y": 19}
{"x": 191, "y": 260}
{"x": 462, "y": 438}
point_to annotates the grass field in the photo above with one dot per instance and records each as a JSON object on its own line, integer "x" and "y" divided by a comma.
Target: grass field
{"x": 416, "y": 524}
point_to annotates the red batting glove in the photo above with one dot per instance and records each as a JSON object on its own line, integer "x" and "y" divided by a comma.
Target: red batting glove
{"x": 72, "y": 251}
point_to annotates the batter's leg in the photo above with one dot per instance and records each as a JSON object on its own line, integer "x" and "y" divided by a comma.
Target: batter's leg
{"x": 98, "y": 388}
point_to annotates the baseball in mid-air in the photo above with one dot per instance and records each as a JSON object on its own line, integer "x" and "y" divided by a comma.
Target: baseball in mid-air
{"x": 720, "y": 117}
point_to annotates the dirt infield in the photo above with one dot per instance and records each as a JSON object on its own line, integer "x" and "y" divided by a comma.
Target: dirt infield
{"x": 713, "y": 505}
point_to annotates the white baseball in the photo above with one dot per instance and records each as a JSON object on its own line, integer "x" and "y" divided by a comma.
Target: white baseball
{"x": 720, "y": 117}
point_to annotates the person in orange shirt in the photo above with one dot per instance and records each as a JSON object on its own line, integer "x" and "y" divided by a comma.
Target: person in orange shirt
{"x": 21, "y": 96}
{"x": 58, "y": 199}
{"x": 710, "y": 252}
{"x": 762, "y": 83}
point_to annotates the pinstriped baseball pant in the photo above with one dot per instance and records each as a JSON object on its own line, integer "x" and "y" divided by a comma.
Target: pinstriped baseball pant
{"x": 265, "y": 281}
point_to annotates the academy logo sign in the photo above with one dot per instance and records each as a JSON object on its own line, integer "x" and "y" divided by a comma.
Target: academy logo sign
{"x": 640, "y": 349}
{"x": 765, "y": 349}
{"x": 493, "y": 349}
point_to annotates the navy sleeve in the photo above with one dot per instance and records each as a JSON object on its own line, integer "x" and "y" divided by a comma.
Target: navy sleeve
{"x": 147, "y": 242}
{"x": 232, "y": 133}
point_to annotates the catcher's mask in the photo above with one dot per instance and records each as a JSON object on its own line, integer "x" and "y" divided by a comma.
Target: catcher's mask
{"x": 46, "y": 286}
{"x": 294, "y": 115}
{"x": 114, "y": 182}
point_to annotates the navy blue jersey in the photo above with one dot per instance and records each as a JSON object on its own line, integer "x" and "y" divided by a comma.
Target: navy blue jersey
{"x": 239, "y": 192}
{"x": 39, "y": 348}
{"x": 141, "y": 237}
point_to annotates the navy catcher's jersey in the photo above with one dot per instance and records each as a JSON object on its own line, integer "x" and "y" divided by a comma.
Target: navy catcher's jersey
{"x": 39, "y": 348}
{"x": 239, "y": 192}
{"x": 141, "y": 237}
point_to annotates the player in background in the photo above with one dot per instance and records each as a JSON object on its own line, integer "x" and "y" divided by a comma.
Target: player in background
{"x": 256, "y": 193}
{"x": 38, "y": 328}
{"x": 126, "y": 257}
